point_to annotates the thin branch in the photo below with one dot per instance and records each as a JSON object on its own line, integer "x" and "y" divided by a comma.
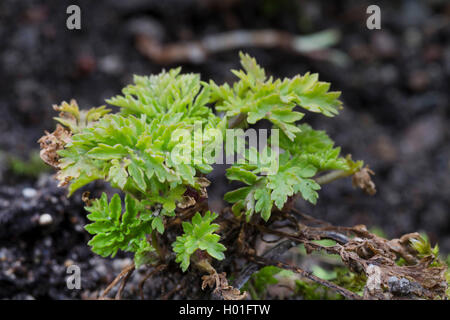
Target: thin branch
{"x": 344, "y": 292}
{"x": 315, "y": 46}
{"x": 147, "y": 276}
{"x": 128, "y": 269}
{"x": 309, "y": 218}
{"x": 298, "y": 238}
{"x": 332, "y": 176}
{"x": 123, "y": 284}
{"x": 177, "y": 288}
{"x": 253, "y": 267}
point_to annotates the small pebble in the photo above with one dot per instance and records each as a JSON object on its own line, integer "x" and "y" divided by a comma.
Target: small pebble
{"x": 68, "y": 263}
{"x": 45, "y": 219}
{"x": 400, "y": 286}
{"x": 384, "y": 44}
{"x": 111, "y": 64}
{"x": 29, "y": 193}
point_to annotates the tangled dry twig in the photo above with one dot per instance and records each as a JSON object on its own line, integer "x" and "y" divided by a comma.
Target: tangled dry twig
{"x": 125, "y": 274}
{"x": 315, "y": 46}
{"x": 374, "y": 256}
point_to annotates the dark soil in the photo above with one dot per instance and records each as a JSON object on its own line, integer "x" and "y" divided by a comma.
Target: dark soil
{"x": 394, "y": 86}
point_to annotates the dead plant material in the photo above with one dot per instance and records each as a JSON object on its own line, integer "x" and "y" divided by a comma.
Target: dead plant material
{"x": 362, "y": 180}
{"x": 193, "y": 196}
{"x": 222, "y": 288}
{"x": 85, "y": 197}
{"x": 125, "y": 274}
{"x": 198, "y": 51}
{"x": 177, "y": 288}
{"x": 376, "y": 257}
{"x": 186, "y": 202}
{"x": 203, "y": 183}
{"x": 273, "y": 253}
{"x": 157, "y": 269}
{"x": 344, "y": 292}
{"x": 51, "y": 143}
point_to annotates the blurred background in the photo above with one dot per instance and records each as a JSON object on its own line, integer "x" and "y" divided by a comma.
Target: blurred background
{"x": 394, "y": 83}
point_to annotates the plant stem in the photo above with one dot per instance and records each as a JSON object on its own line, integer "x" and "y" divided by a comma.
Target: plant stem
{"x": 333, "y": 175}
{"x": 236, "y": 121}
{"x": 155, "y": 245}
{"x": 267, "y": 262}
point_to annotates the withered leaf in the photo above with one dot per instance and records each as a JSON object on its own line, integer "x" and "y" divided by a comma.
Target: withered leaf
{"x": 51, "y": 143}
{"x": 362, "y": 180}
{"x": 376, "y": 257}
{"x": 186, "y": 202}
{"x": 222, "y": 288}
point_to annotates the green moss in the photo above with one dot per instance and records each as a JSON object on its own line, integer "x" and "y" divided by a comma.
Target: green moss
{"x": 31, "y": 167}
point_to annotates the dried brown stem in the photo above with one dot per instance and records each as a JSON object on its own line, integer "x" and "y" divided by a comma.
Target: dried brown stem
{"x": 177, "y": 288}
{"x": 125, "y": 272}
{"x": 315, "y": 46}
{"x": 252, "y": 267}
{"x": 123, "y": 284}
{"x": 158, "y": 268}
{"x": 267, "y": 262}
{"x": 332, "y": 176}
{"x": 309, "y": 218}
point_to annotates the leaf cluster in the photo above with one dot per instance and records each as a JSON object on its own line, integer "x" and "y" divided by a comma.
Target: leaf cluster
{"x": 259, "y": 97}
{"x": 198, "y": 235}
{"x": 127, "y": 230}
{"x": 151, "y": 151}
{"x": 311, "y": 153}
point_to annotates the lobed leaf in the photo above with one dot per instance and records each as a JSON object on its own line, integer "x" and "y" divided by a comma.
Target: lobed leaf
{"x": 114, "y": 230}
{"x": 198, "y": 235}
{"x": 260, "y": 98}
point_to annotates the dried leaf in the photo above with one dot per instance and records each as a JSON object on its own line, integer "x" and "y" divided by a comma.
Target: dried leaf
{"x": 203, "y": 182}
{"x": 51, "y": 143}
{"x": 362, "y": 180}
{"x": 186, "y": 202}
{"x": 377, "y": 257}
{"x": 86, "y": 199}
{"x": 222, "y": 288}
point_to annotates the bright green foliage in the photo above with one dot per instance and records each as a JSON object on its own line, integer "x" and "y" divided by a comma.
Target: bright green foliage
{"x": 307, "y": 152}
{"x": 140, "y": 151}
{"x": 354, "y": 282}
{"x": 75, "y": 119}
{"x": 271, "y": 275}
{"x": 182, "y": 98}
{"x": 309, "y": 290}
{"x": 316, "y": 148}
{"x": 266, "y": 276}
{"x": 158, "y": 146}
{"x": 115, "y": 230}
{"x": 132, "y": 153}
{"x": 343, "y": 277}
{"x": 260, "y": 97}
{"x": 423, "y": 247}
{"x": 424, "y": 250}
{"x": 31, "y": 167}
{"x": 310, "y": 153}
{"x": 293, "y": 176}
{"x": 134, "y": 147}
{"x": 198, "y": 235}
